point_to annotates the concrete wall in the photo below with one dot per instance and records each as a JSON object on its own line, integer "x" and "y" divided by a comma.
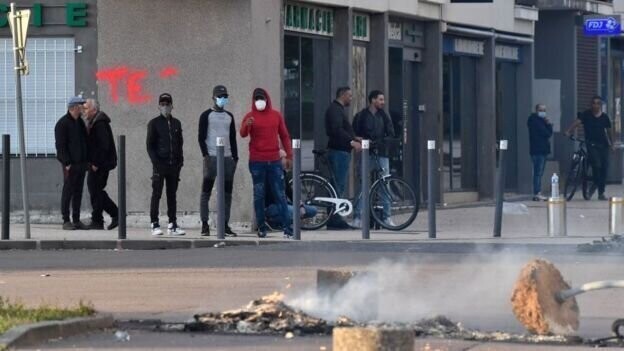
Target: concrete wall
{"x": 230, "y": 42}
{"x": 499, "y": 15}
{"x": 45, "y": 177}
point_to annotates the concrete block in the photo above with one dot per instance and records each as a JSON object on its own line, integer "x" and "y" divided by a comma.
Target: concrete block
{"x": 155, "y": 244}
{"x": 78, "y": 244}
{"x": 18, "y": 245}
{"x": 372, "y": 339}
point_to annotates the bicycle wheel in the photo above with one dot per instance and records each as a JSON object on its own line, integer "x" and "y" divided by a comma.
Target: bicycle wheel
{"x": 572, "y": 180}
{"x": 314, "y": 186}
{"x": 393, "y": 203}
{"x": 589, "y": 187}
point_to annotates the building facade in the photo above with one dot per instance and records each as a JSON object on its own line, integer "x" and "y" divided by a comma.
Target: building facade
{"x": 460, "y": 74}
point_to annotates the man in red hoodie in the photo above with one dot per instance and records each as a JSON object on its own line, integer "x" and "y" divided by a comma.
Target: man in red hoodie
{"x": 264, "y": 125}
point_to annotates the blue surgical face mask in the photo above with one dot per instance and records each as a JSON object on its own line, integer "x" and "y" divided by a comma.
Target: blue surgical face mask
{"x": 222, "y": 101}
{"x": 542, "y": 114}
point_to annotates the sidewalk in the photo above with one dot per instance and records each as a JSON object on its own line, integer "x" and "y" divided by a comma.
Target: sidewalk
{"x": 586, "y": 221}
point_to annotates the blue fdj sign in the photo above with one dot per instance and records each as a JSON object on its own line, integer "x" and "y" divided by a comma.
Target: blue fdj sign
{"x": 602, "y": 25}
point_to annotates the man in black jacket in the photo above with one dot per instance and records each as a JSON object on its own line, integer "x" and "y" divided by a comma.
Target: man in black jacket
{"x": 70, "y": 136}
{"x": 214, "y": 123}
{"x": 164, "y": 146}
{"x": 540, "y": 131}
{"x": 102, "y": 159}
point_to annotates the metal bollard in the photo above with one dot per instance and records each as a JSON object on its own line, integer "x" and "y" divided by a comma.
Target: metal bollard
{"x": 121, "y": 186}
{"x": 557, "y": 223}
{"x": 499, "y": 190}
{"x": 296, "y": 146}
{"x": 616, "y": 217}
{"x": 365, "y": 198}
{"x": 431, "y": 192}
{"x": 220, "y": 189}
{"x": 6, "y": 189}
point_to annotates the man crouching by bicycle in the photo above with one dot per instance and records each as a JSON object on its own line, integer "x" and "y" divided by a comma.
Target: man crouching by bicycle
{"x": 374, "y": 124}
{"x": 272, "y": 211}
{"x": 597, "y": 126}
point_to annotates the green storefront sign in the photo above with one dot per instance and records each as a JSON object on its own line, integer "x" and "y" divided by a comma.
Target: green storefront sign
{"x": 75, "y": 15}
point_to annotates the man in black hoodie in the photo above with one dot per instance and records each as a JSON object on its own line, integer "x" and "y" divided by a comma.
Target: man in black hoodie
{"x": 164, "y": 146}
{"x": 70, "y": 136}
{"x": 540, "y": 131}
{"x": 102, "y": 159}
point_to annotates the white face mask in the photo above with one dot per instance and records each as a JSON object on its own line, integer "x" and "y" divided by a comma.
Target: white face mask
{"x": 260, "y": 105}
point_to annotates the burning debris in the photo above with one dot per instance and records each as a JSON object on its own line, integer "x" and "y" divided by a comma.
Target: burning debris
{"x": 270, "y": 315}
{"x": 535, "y": 303}
{"x": 612, "y": 244}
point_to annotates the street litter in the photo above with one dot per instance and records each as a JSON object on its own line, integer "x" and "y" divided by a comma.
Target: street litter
{"x": 122, "y": 336}
{"x": 45, "y": 275}
{"x": 289, "y": 335}
{"x": 515, "y": 208}
{"x": 219, "y": 245}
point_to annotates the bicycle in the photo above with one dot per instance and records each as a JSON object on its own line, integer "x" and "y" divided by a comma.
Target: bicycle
{"x": 392, "y": 202}
{"x": 579, "y": 173}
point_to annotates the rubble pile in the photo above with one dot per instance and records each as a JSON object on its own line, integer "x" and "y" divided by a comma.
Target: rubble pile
{"x": 614, "y": 243}
{"x": 270, "y": 315}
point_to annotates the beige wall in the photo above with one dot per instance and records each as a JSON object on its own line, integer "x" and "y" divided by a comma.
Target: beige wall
{"x": 230, "y": 42}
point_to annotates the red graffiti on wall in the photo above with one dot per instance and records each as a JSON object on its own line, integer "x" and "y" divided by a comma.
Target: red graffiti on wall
{"x": 132, "y": 79}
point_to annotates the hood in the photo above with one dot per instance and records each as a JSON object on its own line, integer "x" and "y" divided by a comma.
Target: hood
{"x": 100, "y": 117}
{"x": 269, "y": 106}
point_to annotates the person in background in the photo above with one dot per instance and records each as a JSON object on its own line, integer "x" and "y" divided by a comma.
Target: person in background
{"x": 540, "y": 132}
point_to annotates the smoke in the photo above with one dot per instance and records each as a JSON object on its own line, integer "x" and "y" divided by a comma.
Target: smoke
{"x": 410, "y": 290}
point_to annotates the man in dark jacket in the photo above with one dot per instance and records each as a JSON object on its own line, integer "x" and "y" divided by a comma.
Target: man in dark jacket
{"x": 102, "y": 159}
{"x": 164, "y": 146}
{"x": 374, "y": 124}
{"x": 214, "y": 123}
{"x": 540, "y": 131}
{"x": 70, "y": 135}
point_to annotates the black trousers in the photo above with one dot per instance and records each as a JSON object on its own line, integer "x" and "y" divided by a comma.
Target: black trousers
{"x": 169, "y": 176}
{"x": 72, "y": 191}
{"x": 599, "y": 161}
{"x": 100, "y": 201}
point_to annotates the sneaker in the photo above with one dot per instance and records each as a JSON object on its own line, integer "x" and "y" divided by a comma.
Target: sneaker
{"x": 96, "y": 225}
{"x": 357, "y": 223}
{"x": 602, "y": 197}
{"x": 68, "y": 225}
{"x": 262, "y": 233}
{"x": 205, "y": 229}
{"x": 156, "y": 231}
{"x": 113, "y": 224}
{"x": 81, "y": 226}
{"x": 229, "y": 232}
{"x": 174, "y": 230}
{"x": 288, "y": 236}
{"x": 389, "y": 222}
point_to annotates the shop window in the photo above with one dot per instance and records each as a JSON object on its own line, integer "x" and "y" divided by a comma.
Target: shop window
{"x": 45, "y": 91}
{"x": 361, "y": 27}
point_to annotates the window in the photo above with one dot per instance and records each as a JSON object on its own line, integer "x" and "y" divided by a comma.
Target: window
{"x": 45, "y": 91}
{"x": 361, "y": 27}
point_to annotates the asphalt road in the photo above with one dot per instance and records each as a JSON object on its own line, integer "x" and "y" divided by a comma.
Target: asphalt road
{"x": 469, "y": 284}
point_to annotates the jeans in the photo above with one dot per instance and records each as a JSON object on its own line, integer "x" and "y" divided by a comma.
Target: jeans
{"x": 339, "y": 162}
{"x": 73, "y": 182}
{"x": 269, "y": 174}
{"x": 273, "y": 217}
{"x": 210, "y": 175}
{"x": 539, "y": 162}
{"x": 375, "y": 163}
{"x": 169, "y": 175}
{"x": 599, "y": 160}
{"x": 100, "y": 201}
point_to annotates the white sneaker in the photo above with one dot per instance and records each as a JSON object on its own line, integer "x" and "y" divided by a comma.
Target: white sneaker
{"x": 390, "y": 222}
{"x": 156, "y": 231}
{"x": 174, "y": 230}
{"x": 356, "y": 223}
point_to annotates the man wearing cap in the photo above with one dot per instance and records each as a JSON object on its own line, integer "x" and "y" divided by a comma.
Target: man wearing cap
{"x": 216, "y": 122}
{"x": 264, "y": 126}
{"x": 70, "y": 135}
{"x": 164, "y": 146}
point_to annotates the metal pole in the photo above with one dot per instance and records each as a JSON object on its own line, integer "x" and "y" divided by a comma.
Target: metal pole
{"x": 364, "y": 205}
{"x": 20, "y": 126}
{"x": 431, "y": 191}
{"x": 500, "y": 188}
{"x": 220, "y": 189}
{"x": 121, "y": 186}
{"x": 557, "y": 222}
{"x": 296, "y": 146}
{"x": 6, "y": 180}
{"x": 616, "y": 218}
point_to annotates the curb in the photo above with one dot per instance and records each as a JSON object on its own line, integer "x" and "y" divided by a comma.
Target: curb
{"x": 143, "y": 244}
{"x": 32, "y": 334}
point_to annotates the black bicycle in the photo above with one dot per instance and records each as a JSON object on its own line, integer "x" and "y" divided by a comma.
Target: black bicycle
{"x": 580, "y": 173}
{"x": 393, "y": 203}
